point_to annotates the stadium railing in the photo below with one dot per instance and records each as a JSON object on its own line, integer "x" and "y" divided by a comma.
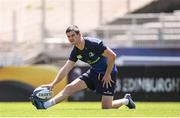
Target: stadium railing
{"x": 162, "y": 32}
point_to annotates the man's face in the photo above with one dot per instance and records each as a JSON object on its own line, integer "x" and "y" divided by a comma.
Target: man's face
{"x": 73, "y": 37}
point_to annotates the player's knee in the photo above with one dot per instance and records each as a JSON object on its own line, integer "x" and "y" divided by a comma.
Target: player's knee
{"x": 106, "y": 106}
{"x": 106, "y": 102}
{"x": 69, "y": 89}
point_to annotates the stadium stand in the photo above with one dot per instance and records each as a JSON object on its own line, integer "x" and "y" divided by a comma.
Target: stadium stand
{"x": 162, "y": 31}
{"x": 22, "y": 23}
{"x": 119, "y": 27}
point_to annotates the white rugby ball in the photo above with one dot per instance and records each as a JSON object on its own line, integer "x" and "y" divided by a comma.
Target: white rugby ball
{"x": 43, "y": 93}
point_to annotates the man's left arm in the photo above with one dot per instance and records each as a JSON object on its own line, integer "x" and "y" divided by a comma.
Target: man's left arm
{"x": 111, "y": 56}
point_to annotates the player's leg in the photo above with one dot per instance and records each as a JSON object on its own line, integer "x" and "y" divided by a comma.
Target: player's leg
{"x": 108, "y": 93}
{"x": 78, "y": 84}
{"x": 127, "y": 100}
{"x": 106, "y": 102}
{"x": 119, "y": 102}
{"x": 71, "y": 88}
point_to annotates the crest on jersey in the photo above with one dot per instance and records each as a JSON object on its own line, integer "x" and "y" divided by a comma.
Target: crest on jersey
{"x": 91, "y": 54}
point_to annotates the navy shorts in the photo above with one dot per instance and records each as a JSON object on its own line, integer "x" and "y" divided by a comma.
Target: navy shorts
{"x": 93, "y": 81}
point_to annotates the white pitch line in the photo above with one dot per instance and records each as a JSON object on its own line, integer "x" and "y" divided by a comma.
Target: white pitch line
{"x": 87, "y": 117}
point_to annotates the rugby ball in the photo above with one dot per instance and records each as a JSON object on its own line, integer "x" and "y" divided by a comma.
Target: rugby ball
{"x": 43, "y": 93}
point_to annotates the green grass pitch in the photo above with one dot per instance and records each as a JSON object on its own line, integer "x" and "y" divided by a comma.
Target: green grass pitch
{"x": 89, "y": 109}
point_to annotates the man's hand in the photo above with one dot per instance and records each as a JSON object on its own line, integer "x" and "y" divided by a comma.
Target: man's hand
{"x": 107, "y": 81}
{"x": 49, "y": 86}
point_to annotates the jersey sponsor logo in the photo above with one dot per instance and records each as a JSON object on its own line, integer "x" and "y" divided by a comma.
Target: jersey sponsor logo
{"x": 92, "y": 62}
{"x": 91, "y": 54}
{"x": 79, "y": 56}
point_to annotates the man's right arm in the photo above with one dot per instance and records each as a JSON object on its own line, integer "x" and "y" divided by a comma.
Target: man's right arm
{"x": 62, "y": 72}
